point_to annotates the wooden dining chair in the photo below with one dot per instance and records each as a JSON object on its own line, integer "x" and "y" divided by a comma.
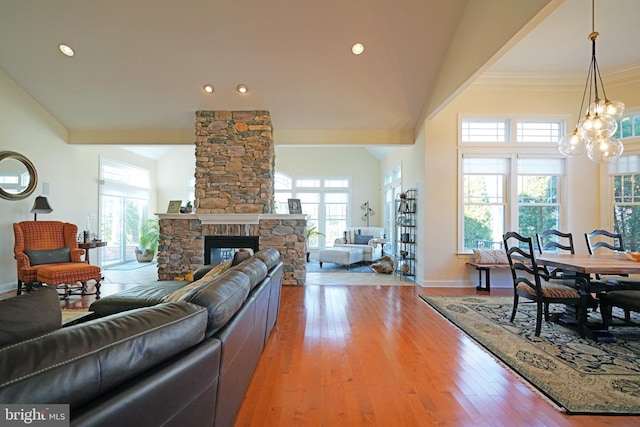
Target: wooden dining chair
{"x": 600, "y": 241}
{"x": 628, "y": 300}
{"x": 531, "y": 281}
{"x": 556, "y": 241}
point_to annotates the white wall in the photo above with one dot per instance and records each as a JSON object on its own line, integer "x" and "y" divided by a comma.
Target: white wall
{"x": 71, "y": 171}
{"x": 175, "y": 169}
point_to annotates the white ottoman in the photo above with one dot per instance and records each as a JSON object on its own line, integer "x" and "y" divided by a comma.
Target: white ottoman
{"x": 344, "y": 256}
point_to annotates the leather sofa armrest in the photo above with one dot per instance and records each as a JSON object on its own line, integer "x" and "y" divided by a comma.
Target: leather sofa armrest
{"x": 91, "y": 358}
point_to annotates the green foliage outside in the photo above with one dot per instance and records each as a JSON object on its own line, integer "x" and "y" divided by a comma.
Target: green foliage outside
{"x": 626, "y": 212}
{"x": 538, "y": 209}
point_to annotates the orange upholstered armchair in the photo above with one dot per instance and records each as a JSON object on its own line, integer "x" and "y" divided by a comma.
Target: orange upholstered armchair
{"x": 50, "y": 249}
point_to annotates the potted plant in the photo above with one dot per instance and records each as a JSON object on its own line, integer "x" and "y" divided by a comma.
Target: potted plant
{"x": 312, "y": 231}
{"x": 149, "y": 235}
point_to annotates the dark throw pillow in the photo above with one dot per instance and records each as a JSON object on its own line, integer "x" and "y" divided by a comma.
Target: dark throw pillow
{"x": 361, "y": 239}
{"x": 30, "y": 315}
{"x": 240, "y": 256}
{"x": 48, "y": 256}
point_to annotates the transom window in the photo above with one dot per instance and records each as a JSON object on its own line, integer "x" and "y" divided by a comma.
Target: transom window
{"x": 500, "y": 131}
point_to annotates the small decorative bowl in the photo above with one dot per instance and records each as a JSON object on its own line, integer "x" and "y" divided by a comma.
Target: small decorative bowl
{"x": 633, "y": 256}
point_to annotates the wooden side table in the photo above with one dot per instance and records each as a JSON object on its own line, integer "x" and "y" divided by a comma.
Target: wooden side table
{"x": 90, "y": 245}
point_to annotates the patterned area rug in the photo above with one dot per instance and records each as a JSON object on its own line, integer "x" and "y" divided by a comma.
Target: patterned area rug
{"x": 579, "y": 375}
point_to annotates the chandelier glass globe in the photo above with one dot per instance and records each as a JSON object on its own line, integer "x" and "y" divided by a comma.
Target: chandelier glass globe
{"x": 604, "y": 150}
{"x": 596, "y": 126}
{"x": 572, "y": 144}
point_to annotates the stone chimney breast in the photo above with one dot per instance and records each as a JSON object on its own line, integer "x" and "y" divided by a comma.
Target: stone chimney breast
{"x": 235, "y": 162}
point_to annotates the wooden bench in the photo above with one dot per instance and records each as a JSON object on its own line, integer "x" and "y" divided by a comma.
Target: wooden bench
{"x": 487, "y": 276}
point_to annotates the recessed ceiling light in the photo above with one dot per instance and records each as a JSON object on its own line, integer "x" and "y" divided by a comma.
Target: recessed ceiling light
{"x": 208, "y": 88}
{"x": 66, "y": 50}
{"x": 357, "y": 48}
{"x": 242, "y": 89}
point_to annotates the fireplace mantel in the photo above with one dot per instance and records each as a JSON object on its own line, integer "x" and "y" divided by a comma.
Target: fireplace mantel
{"x": 207, "y": 219}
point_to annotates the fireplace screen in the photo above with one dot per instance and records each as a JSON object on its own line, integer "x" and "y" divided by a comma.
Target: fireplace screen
{"x": 218, "y": 249}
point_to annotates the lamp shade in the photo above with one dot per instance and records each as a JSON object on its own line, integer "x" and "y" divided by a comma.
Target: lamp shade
{"x": 40, "y": 206}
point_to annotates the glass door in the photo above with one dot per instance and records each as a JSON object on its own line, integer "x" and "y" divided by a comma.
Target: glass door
{"x": 121, "y": 222}
{"x": 124, "y": 198}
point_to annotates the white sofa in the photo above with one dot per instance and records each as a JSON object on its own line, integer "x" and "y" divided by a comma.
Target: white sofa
{"x": 365, "y": 238}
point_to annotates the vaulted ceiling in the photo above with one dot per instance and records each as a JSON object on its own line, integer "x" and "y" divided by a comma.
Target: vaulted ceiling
{"x": 140, "y": 66}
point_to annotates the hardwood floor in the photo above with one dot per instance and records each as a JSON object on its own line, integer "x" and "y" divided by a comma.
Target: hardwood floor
{"x": 380, "y": 356}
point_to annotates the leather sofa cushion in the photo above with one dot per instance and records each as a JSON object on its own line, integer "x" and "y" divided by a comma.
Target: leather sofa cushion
{"x": 255, "y": 269}
{"x": 222, "y": 298}
{"x": 77, "y": 364}
{"x": 29, "y": 315}
{"x": 269, "y": 256}
{"x": 137, "y": 297}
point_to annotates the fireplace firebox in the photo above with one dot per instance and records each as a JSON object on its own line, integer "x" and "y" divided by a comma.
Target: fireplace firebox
{"x": 218, "y": 249}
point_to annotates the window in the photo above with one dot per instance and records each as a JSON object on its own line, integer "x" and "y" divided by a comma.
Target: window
{"x": 538, "y": 201}
{"x": 625, "y": 175}
{"x": 489, "y": 209}
{"x": 484, "y": 201}
{"x": 539, "y": 132}
{"x": 628, "y": 126}
{"x": 505, "y": 187}
{"x": 485, "y": 130}
{"x": 324, "y": 200}
{"x": 491, "y": 131}
{"x": 392, "y": 187}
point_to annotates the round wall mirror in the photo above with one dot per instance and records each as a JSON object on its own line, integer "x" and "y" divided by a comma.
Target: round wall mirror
{"x": 18, "y": 176}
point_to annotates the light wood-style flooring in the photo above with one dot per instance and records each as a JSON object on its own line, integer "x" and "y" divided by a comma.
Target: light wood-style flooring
{"x": 379, "y": 356}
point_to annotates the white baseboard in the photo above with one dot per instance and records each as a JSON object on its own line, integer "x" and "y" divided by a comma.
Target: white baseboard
{"x": 6, "y": 287}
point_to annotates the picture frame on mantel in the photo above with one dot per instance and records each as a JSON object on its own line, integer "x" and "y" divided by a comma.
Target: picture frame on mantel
{"x": 174, "y": 206}
{"x": 294, "y": 206}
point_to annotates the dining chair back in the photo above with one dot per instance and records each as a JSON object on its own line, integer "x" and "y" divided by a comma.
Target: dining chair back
{"x": 556, "y": 241}
{"x": 531, "y": 281}
{"x": 598, "y": 239}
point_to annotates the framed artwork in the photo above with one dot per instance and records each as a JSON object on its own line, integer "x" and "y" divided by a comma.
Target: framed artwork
{"x": 294, "y": 206}
{"x": 174, "y": 206}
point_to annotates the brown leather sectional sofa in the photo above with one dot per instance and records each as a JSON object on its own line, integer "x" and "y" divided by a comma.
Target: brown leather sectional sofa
{"x": 147, "y": 362}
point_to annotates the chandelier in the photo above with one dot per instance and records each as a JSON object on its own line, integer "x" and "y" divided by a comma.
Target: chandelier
{"x": 595, "y": 130}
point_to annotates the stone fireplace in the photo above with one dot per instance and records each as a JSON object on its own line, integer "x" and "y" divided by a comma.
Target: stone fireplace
{"x": 234, "y": 172}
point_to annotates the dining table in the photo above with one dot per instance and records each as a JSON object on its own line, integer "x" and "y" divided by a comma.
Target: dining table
{"x": 586, "y": 268}
{"x": 586, "y": 265}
